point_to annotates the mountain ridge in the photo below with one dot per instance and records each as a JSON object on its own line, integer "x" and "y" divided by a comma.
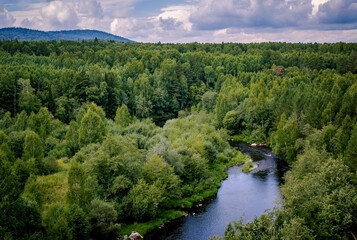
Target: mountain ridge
{"x": 13, "y": 33}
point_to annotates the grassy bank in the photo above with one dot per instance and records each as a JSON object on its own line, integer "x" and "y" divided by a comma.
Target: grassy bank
{"x": 143, "y": 228}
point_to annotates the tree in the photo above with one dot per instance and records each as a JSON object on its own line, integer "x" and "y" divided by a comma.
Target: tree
{"x": 21, "y": 121}
{"x": 102, "y": 217}
{"x": 319, "y": 190}
{"x": 209, "y": 76}
{"x": 209, "y": 100}
{"x": 66, "y": 222}
{"x": 78, "y": 191}
{"x": 232, "y": 121}
{"x": 327, "y": 114}
{"x": 44, "y": 119}
{"x": 156, "y": 170}
{"x": 284, "y": 139}
{"x": 33, "y": 146}
{"x": 51, "y": 102}
{"x": 142, "y": 202}
{"x": 92, "y": 128}
{"x": 28, "y": 101}
{"x": 122, "y": 118}
{"x": 6, "y": 121}
{"x": 350, "y": 158}
{"x": 343, "y": 135}
{"x": 72, "y": 136}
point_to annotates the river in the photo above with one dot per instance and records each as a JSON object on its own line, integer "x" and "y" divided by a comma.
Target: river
{"x": 241, "y": 194}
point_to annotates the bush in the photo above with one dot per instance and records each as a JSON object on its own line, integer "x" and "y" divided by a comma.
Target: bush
{"x": 247, "y": 167}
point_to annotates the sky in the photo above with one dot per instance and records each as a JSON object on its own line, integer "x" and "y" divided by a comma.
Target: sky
{"x": 192, "y": 20}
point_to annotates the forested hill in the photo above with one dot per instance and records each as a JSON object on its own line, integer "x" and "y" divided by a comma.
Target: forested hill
{"x": 81, "y": 158}
{"x": 74, "y": 35}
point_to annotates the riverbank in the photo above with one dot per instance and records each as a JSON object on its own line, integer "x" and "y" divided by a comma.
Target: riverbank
{"x": 248, "y": 139}
{"x": 241, "y": 194}
{"x": 177, "y": 208}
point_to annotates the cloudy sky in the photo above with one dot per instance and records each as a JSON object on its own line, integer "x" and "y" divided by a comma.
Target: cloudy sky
{"x": 192, "y": 20}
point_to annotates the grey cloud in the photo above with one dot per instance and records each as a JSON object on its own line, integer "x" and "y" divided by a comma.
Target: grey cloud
{"x": 274, "y": 14}
{"x": 338, "y": 12}
{"x": 211, "y": 14}
{"x": 6, "y": 19}
{"x": 90, "y": 8}
{"x": 169, "y": 24}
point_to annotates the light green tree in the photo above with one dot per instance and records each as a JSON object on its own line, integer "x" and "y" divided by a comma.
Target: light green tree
{"x": 28, "y": 101}
{"x": 92, "y": 128}
{"x": 78, "y": 191}
{"x": 157, "y": 170}
{"x": 21, "y": 121}
{"x": 122, "y": 118}
{"x": 33, "y": 146}
{"x": 142, "y": 202}
{"x": 285, "y": 137}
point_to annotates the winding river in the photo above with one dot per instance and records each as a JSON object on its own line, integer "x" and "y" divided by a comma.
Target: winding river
{"x": 241, "y": 194}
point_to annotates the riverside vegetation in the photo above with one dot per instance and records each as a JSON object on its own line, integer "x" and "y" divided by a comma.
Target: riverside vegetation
{"x": 82, "y": 157}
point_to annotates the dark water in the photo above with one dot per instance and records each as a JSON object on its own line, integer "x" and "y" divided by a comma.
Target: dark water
{"x": 241, "y": 194}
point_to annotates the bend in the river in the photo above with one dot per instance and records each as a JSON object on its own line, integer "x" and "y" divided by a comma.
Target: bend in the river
{"x": 241, "y": 194}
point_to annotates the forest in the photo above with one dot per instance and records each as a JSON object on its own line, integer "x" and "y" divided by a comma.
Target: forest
{"x": 99, "y": 138}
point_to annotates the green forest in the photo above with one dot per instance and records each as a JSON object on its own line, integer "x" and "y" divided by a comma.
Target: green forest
{"x": 98, "y": 138}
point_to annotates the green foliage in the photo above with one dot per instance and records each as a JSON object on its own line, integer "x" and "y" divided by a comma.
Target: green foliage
{"x": 142, "y": 202}
{"x": 300, "y": 98}
{"x": 209, "y": 99}
{"x": 160, "y": 172}
{"x": 321, "y": 192}
{"x": 343, "y": 135}
{"x": 66, "y": 222}
{"x": 21, "y": 121}
{"x": 248, "y": 167}
{"x": 78, "y": 191}
{"x": 28, "y": 101}
{"x": 33, "y": 146}
{"x": 143, "y": 228}
{"x": 72, "y": 137}
{"x": 350, "y": 158}
{"x": 92, "y": 129}
{"x": 232, "y": 122}
{"x": 122, "y": 118}
{"x": 102, "y": 217}
{"x": 284, "y": 139}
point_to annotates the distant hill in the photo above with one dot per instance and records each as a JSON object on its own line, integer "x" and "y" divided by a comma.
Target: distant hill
{"x": 75, "y": 35}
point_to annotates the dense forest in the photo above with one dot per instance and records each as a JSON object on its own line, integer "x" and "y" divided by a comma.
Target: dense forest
{"x": 101, "y": 138}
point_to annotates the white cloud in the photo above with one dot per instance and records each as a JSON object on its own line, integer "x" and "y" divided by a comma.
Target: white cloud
{"x": 63, "y": 15}
{"x": 179, "y": 13}
{"x": 123, "y": 25}
{"x": 59, "y": 15}
{"x": 316, "y": 4}
{"x": 6, "y": 19}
